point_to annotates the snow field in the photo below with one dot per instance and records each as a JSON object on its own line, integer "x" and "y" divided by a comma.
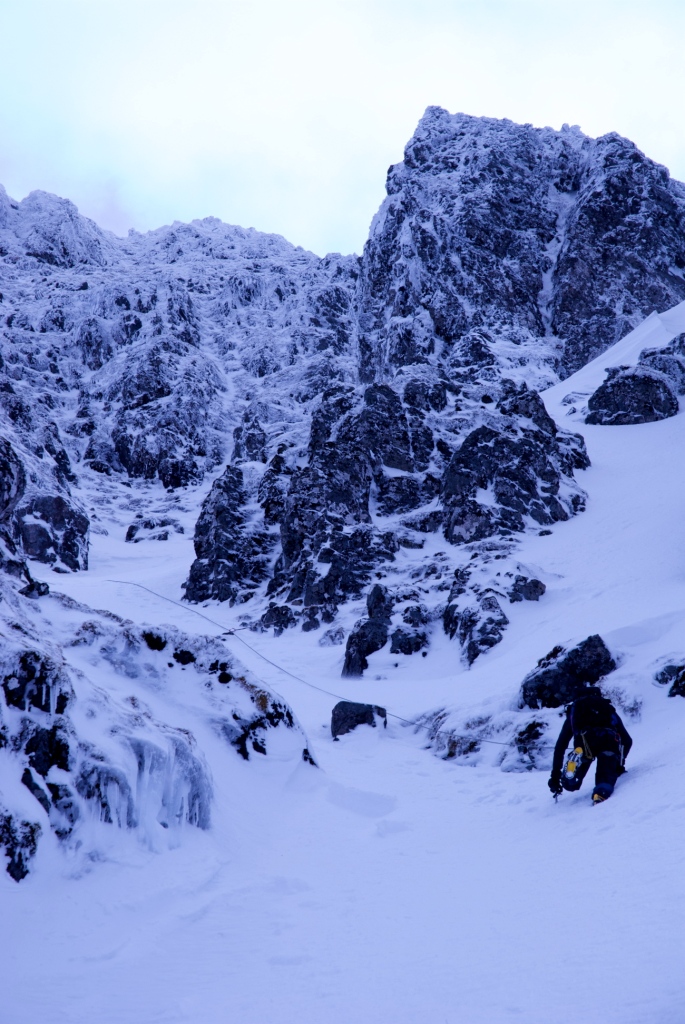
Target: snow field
{"x": 388, "y": 886}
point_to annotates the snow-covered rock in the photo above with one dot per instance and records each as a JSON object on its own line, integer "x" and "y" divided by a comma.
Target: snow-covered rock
{"x": 638, "y": 394}
{"x": 79, "y": 729}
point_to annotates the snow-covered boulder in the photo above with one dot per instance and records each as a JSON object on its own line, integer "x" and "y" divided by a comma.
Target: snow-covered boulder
{"x": 347, "y": 715}
{"x": 563, "y": 674}
{"x": 638, "y": 394}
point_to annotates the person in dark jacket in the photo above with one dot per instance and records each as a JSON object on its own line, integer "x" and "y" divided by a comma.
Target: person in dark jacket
{"x": 598, "y": 734}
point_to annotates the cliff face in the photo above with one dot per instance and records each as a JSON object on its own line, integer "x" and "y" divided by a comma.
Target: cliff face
{"x": 519, "y": 243}
{"x": 502, "y": 257}
{"x": 351, "y": 409}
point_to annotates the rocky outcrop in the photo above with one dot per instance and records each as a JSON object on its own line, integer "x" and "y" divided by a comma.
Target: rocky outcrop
{"x": 371, "y": 634}
{"x": 525, "y": 589}
{"x": 12, "y": 479}
{"x": 149, "y": 335}
{"x": 563, "y": 674}
{"x": 519, "y": 462}
{"x": 639, "y": 394}
{"x": 51, "y": 530}
{"x": 18, "y": 841}
{"x": 384, "y": 466}
{"x": 475, "y": 619}
{"x": 152, "y": 528}
{"x": 329, "y": 545}
{"x": 673, "y": 676}
{"x": 34, "y": 523}
{"x": 495, "y": 236}
{"x": 232, "y": 554}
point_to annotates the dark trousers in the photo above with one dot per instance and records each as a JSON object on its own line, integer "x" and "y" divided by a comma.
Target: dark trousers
{"x": 608, "y": 770}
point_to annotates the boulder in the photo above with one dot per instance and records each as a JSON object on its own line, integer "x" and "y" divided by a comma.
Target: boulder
{"x": 347, "y": 715}
{"x": 367, "y": 637}
{"x": 675, "y": 676}
{"x": 636, "y": 394}
{"x": 563, "y": 674}
{"x": 525, "y": 589}
{"x": 35, "y": 589}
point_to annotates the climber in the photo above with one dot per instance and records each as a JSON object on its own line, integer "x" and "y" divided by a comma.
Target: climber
{"x": 597, "y": 732}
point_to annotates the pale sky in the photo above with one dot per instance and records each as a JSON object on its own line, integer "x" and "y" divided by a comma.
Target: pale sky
{"x": 284, "y": 114}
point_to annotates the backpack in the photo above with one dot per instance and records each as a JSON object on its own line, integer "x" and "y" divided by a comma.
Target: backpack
{"x": 590, "y": 712}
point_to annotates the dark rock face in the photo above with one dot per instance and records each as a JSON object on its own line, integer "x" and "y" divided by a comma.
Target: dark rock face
{"x": 525, "y": 589}
{"x": 363, "y": 452}
{"x": 35, "y": 790}
{"x": 249, "y": 441}
{"x": 477, "y": 624}
{"x": 673, "y": 676}
{"x": 639, "y": 394}
{"x": 562, "y": 675}
{"x": 329, "y": 547}
{"x": 347, "y": 716}
{"x": 519, "y": 462}
{"x": 34, "y": 681}
{"x": 379, "y": 603}
{"x": 46, "y": 526}
{"x": 12, "y": 479}
{"x": 19, "y": 840}
{"x": 493, "y": 233}
{"x": 34, "y": 701}
{"x": 369, "y": 635}
{"x": 670, "y": 361}
{"x": 407, "y": 641}
{"x": 51, "y": 530}
{"x": 232, "y": 559}
{"x": 164, "y": 404}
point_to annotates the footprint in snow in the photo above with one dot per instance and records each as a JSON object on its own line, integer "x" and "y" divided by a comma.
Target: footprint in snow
{"x": 359, "y": 801}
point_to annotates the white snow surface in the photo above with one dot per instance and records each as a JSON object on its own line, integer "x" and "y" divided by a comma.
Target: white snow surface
{"x": 390, "y": 886}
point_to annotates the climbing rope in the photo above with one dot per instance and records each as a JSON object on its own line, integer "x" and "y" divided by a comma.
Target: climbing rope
{"x": 233, "y": 632}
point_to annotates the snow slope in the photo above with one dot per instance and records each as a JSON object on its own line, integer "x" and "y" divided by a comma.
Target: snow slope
{"x": 391, "y": 886}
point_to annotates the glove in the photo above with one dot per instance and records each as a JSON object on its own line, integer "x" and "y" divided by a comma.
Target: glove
{"x": 555, "y": 786}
